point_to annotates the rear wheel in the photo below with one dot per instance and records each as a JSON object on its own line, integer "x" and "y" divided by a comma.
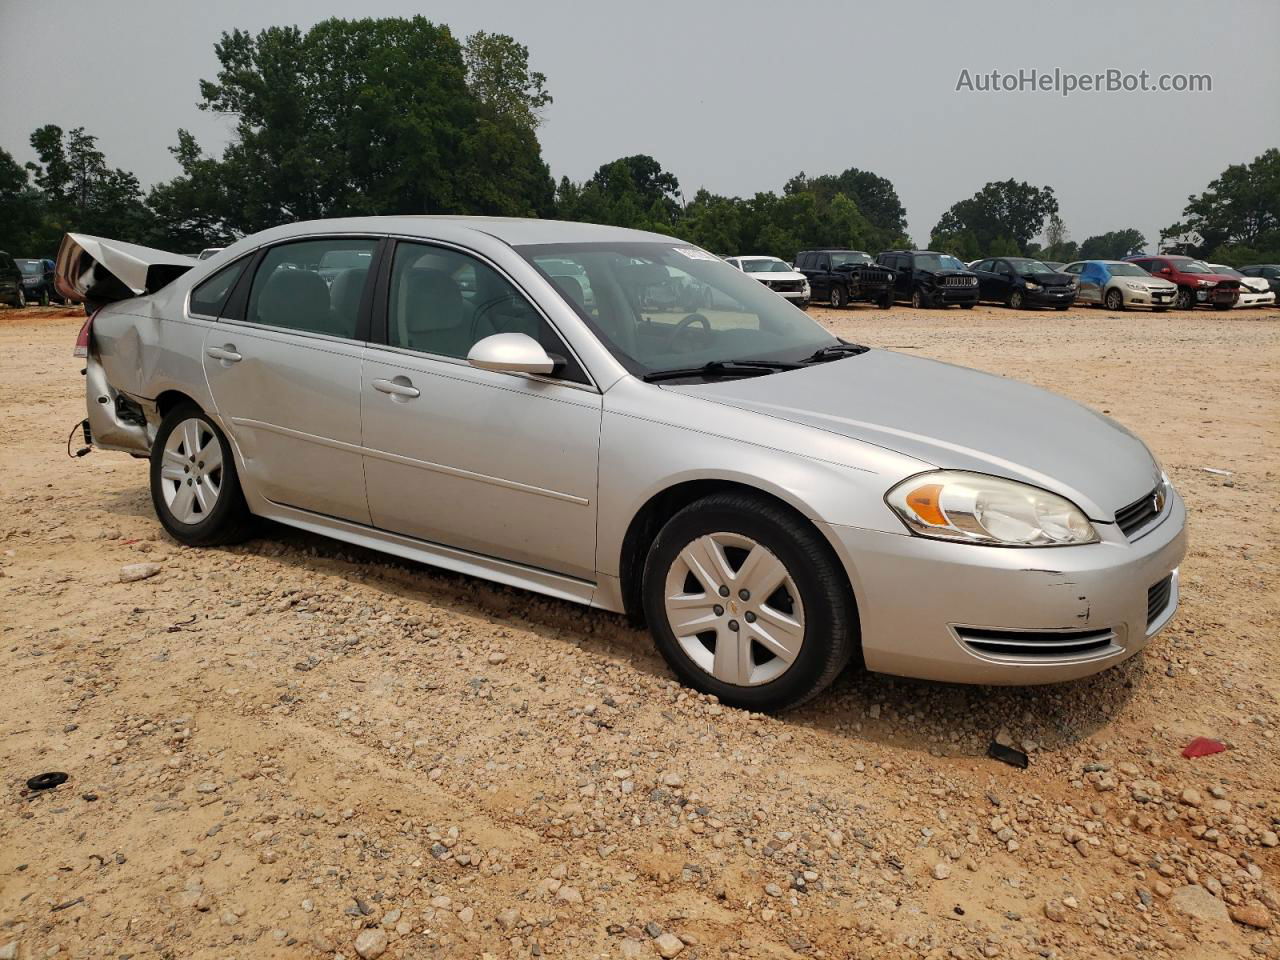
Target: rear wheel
{"x": 44, "y": 298}
{"x": 194, "y": 485}
{"x": 838, "y": 298}
{"x": 1185, "y": 300}
{"x": 1114, "y": 300}
{"x": 747, "y": 602}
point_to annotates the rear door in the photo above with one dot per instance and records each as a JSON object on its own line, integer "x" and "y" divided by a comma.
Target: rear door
{"x": 986, "y": 281}
{"x": 284, "y": 366}
{"x": 499, "y": 464}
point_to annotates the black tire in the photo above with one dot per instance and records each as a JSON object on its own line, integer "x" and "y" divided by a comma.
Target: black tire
{"x": 918, "y": 300}
{"x": 1159, "y": 309}
{"x": 830, "y": 618}
{"x": 1185, "y": 299}
{"x": 44, "y": 298}
{"x": 967, "y": 306}
{"x": 1061, "y": 306}
{"x": 838, "y": 297}
{"x": 1223, "y": 306}
{"x": 885, "y": 302}
{"x": 230, "y": 520}
{"x": 20, "y": 300}
{"x": 1113, "y": 300}
{"x": 1015, "y": 300}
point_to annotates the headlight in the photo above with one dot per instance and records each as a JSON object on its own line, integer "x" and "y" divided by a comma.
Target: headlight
{"x": 976, "y": 508}
{"x": 1032, "y": 285}
{"x": 1135, "y": 285}
{"x": 1206, "y": 283}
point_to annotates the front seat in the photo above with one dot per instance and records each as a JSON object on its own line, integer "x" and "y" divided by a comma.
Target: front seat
{"x": 297, "y": 299}
{"x": 436, "y": 319}
{"x": 344, "y": 296}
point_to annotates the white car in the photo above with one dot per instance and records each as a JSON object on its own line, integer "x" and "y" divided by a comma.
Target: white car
{"x": 778, "y": 275}
{"x": 1254, "y": 291}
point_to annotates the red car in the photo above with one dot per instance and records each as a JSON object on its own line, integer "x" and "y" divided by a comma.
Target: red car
{"x": 1197, "y": 284}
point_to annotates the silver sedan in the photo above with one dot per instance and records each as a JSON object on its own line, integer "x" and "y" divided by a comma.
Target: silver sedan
{"x": 512, "y": 399}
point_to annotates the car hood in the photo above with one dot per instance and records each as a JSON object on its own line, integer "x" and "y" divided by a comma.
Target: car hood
{"x": 957, "y": 418}
{"x": 1049, "y": 279}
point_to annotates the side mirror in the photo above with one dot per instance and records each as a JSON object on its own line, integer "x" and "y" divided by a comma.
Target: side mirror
{"x": 510, "y": 353}
{"x": 1166, "y": 270}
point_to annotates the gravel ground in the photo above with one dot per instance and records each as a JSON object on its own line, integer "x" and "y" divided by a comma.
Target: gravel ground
{"x": 294, "y": 748}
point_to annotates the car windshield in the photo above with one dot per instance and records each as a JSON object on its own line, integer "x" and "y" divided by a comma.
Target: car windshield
{"x": 668, "y": 306}
{"x": 1192, "y": 266}
{"x": 851, "y": 258}
{"x": 765, "y": 265}
{"x": 31, "y": 268}
{"x": 1029, "y": 267}
{"x": 933, "y": 262}
{"x": 1125, "y": 270}
{"x": 1223, "y": 269}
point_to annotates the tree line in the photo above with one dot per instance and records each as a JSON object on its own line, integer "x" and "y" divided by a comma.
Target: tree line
{"x": 397, "y": 116}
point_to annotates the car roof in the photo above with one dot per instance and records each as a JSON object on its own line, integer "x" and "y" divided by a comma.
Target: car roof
{"x": 512, "y": 230}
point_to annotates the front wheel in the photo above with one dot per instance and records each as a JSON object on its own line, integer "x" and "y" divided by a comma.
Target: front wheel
{"x": 1185, "y": 300}
{"x": 22, "y": 299}
{"x": 194, "y": 485}
{"x": 1015, "y": 299}
{"x": 918, "y": 300}
{"x": 747, "y": 602}
{"x": 838, "y": 298}
{"x": 885, "y": 302}
{"x": 1114, "y": 300}
{"x": 1223, "y": 306}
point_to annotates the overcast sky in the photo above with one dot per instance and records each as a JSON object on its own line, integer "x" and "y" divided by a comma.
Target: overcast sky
{"x": 739, "y": 96}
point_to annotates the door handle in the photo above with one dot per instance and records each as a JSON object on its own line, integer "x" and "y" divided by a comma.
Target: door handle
{"x": 399, "y": 387}
{"x": 227, "y": 353}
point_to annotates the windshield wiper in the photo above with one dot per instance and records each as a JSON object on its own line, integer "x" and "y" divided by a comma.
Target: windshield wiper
{"x": 722, "y": 368}
{"x": 834, "y": 351}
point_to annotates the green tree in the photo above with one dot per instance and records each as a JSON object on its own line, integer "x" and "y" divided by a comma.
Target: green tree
{"x": 1009, "y": 209}
{"x": 499, "y": 77}
{"x": 1239, "y": 209}
{"x": 1113, "y": 245}
{"x": 874, "y": 196}
{"x": 360, "y": 117}
{"x": 80, "y": 192}
{"x": 22, "y": 212}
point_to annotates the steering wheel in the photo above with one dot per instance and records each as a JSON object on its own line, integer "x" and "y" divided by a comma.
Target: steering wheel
{"x": 684, "y": 325}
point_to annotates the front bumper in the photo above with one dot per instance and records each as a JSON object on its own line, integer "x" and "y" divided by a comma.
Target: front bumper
{"x": 922, "y": 602}
{"x": 1143, "y": 298}
{"x": 1051, "y": 296}
{"x": 1216, "y": 295}
{"x": 950, "y": 295}
{"x": 1253, "y": 299}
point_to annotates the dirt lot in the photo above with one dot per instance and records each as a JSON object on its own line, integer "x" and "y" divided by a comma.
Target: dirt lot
{"x": 296, "y": 749}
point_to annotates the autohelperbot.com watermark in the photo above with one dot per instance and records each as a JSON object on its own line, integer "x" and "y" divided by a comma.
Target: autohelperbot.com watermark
{"x": 1067, "y": 82}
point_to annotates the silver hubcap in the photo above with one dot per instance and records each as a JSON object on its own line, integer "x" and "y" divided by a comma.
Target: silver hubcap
{"x": 734, "y": 609}
{"x": 191, "y": 472}
{"x": 835, "y": 298}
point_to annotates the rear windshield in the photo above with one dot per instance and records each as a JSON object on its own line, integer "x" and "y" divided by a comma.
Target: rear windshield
{"x": 31, "y": 268}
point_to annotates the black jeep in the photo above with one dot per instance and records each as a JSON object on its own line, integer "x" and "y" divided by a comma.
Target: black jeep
{"x": 929, "y": 279}
{"x": 839, "y": 276}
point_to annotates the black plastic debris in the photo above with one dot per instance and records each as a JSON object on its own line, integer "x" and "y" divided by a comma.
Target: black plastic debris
{"x": 46, "y": 781}
{"x": 1014, "y": 758}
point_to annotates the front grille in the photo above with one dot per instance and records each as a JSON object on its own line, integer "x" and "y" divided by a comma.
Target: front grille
{"x": 1138, "y": 514}
{"x": 959, "y": 281}
{"x": 786, "y": 286}
{"x": 873, "y": 275}
{"x": 1036, "y": 643}
{"x": 1158, "y": 599}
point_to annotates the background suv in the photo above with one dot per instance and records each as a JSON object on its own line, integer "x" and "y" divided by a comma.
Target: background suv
{"x": 1022, "y": 282}
{"x": 930, "y": 279}
{"x": 838, "y": 276}
{"x": 1197, "y": 283}
{"x": 777, "y": 275}
{"x": 1269, "y": 272}
{"x": 11, "y": 291}
{"x": 37, "y": 281}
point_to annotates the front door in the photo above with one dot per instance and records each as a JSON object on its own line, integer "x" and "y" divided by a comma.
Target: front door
{"x": 503, "y": 465}
{"x": 285, "y": 377}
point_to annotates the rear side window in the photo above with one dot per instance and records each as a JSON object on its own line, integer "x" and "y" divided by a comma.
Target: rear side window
{"x": 314, "y": 286}
{"x": 210, "y": 296}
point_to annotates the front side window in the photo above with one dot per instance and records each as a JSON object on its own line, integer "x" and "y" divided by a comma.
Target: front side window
{"x": 665, "y": 306}
{"x": 443, "y": 302}
{"x": 209, "y": 296}
{"x": 314, "y": 286}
